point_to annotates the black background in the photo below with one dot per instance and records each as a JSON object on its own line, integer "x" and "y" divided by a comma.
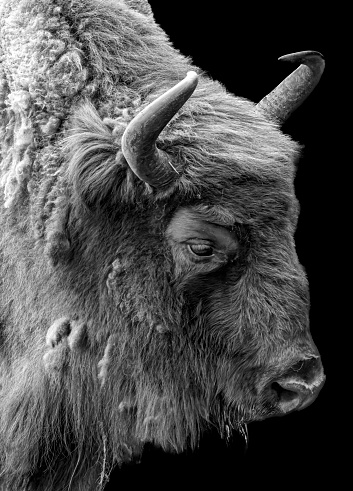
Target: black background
{"x": 239, "y": 46}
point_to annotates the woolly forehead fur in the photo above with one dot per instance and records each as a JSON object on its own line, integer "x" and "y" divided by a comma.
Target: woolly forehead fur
{"x": 93, "y": 83}
{"x": 222, "y": 149}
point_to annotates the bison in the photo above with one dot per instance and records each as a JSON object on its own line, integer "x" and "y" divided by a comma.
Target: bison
{"x": 149, "y": 282}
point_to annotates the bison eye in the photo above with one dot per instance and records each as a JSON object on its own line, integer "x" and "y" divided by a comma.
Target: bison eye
{"x": 201, "y": 249}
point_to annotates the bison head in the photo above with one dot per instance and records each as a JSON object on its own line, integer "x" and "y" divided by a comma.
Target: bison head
{"x": 196, "y": 267}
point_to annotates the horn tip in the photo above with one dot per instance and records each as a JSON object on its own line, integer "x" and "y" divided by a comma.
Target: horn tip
{"x": 301, "y": 56}
{"x": 192, "y": 76}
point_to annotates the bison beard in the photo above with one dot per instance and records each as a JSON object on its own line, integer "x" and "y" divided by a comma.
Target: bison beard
{"x": 149, "y": 285}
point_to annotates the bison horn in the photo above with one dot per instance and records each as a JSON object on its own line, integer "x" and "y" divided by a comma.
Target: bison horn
{"x": 289, "y": 94}
{"x": 139, "y": 139}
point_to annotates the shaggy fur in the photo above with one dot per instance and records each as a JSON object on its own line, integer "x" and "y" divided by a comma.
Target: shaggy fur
{"x": 108, "y": 338}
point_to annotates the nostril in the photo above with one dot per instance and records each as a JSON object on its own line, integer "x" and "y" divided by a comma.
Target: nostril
{"x": 299, "y": 385}
{"x": 287, "y": 399}
{"x": 282, "y": 393}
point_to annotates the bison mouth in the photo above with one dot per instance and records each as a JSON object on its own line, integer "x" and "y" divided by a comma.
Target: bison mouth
{"x": 295, "y": 390}
{"x": 293, "y": 395}
{"x": 290, "y": 393}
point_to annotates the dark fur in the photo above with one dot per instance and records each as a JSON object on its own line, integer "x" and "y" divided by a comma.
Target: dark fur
{"x": 142, "y": 349}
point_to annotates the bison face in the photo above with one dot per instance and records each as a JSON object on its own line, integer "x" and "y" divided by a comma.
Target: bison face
{"x": 188, "y": 226}
{"x": 203, "y": 304}
{"x": 247, "y": 303}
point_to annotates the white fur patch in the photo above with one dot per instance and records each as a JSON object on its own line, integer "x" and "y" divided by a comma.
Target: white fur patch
{"x": 57, "y": 331}
{"x": 18, "y": 161}
{"x": 55, "y": 359}
{"x": 39, "y": 75}
{"x": 63, "y": 336}
{"x": 103, "y": 364}
{"x": 78, "y": 336}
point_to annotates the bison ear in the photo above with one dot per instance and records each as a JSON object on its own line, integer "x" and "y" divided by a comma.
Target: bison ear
{"x": 95, "y": 169}
{"x": 279, "y": 104}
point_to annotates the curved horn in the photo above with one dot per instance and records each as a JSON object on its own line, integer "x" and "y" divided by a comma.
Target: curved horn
{"x": 139, "y": 139}
{"x": 289, "y": 94}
